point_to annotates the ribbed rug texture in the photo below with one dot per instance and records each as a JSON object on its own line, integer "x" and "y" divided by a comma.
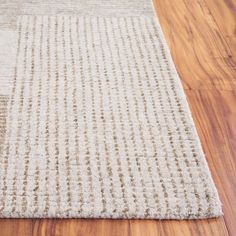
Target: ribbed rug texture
{"x": 94, "y": 122}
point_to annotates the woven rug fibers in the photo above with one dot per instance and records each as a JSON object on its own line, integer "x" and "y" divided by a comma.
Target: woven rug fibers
{"x": 94, "y": 121}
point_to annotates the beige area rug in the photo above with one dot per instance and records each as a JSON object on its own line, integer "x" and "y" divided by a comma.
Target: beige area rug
{"x": 94, "y": 122}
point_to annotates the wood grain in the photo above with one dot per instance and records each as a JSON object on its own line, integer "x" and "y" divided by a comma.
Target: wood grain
{"x": 214, "y": 112}
{"x": 199, "y": 45}
{"x": 201, "y": 36}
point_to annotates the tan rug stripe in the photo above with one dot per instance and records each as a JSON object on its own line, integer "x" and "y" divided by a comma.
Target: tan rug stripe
{"x": 77, "y": 169}
{"x": 19, "y": 185}
{"x": 3, "y": 113}
{"x": 37, "y": 173}
{"x": 46, "y": 75}
{"x": 100, "y": 67}
{"x": 126, "y": 163}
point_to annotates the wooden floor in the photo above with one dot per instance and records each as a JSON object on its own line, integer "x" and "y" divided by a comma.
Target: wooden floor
{"x": 202, "y": 37}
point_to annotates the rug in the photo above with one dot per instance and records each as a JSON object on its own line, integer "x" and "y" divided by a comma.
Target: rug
{"x": 94, "y": 120}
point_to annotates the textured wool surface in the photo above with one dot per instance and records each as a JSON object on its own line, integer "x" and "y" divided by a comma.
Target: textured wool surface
{"x": 97, "y": 124}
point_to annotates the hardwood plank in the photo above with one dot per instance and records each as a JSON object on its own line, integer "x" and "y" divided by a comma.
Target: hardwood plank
{"x": 200, "y": 51}
{"x": 214, "y": 113}
{"x": 73, "y": 227}
{"x": 82, "y": 227}
{"x": 16, "y": 227}
{"x": 225, "y": 10}
{"x": 211, "y": 227}
{"x": 146, "y": 227}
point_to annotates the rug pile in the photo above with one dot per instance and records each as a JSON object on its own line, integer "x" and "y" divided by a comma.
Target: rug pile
{"x": 94, "y": 121}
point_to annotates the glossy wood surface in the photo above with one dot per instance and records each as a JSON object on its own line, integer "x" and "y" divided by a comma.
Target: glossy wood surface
{"x": 201, "y": 35}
